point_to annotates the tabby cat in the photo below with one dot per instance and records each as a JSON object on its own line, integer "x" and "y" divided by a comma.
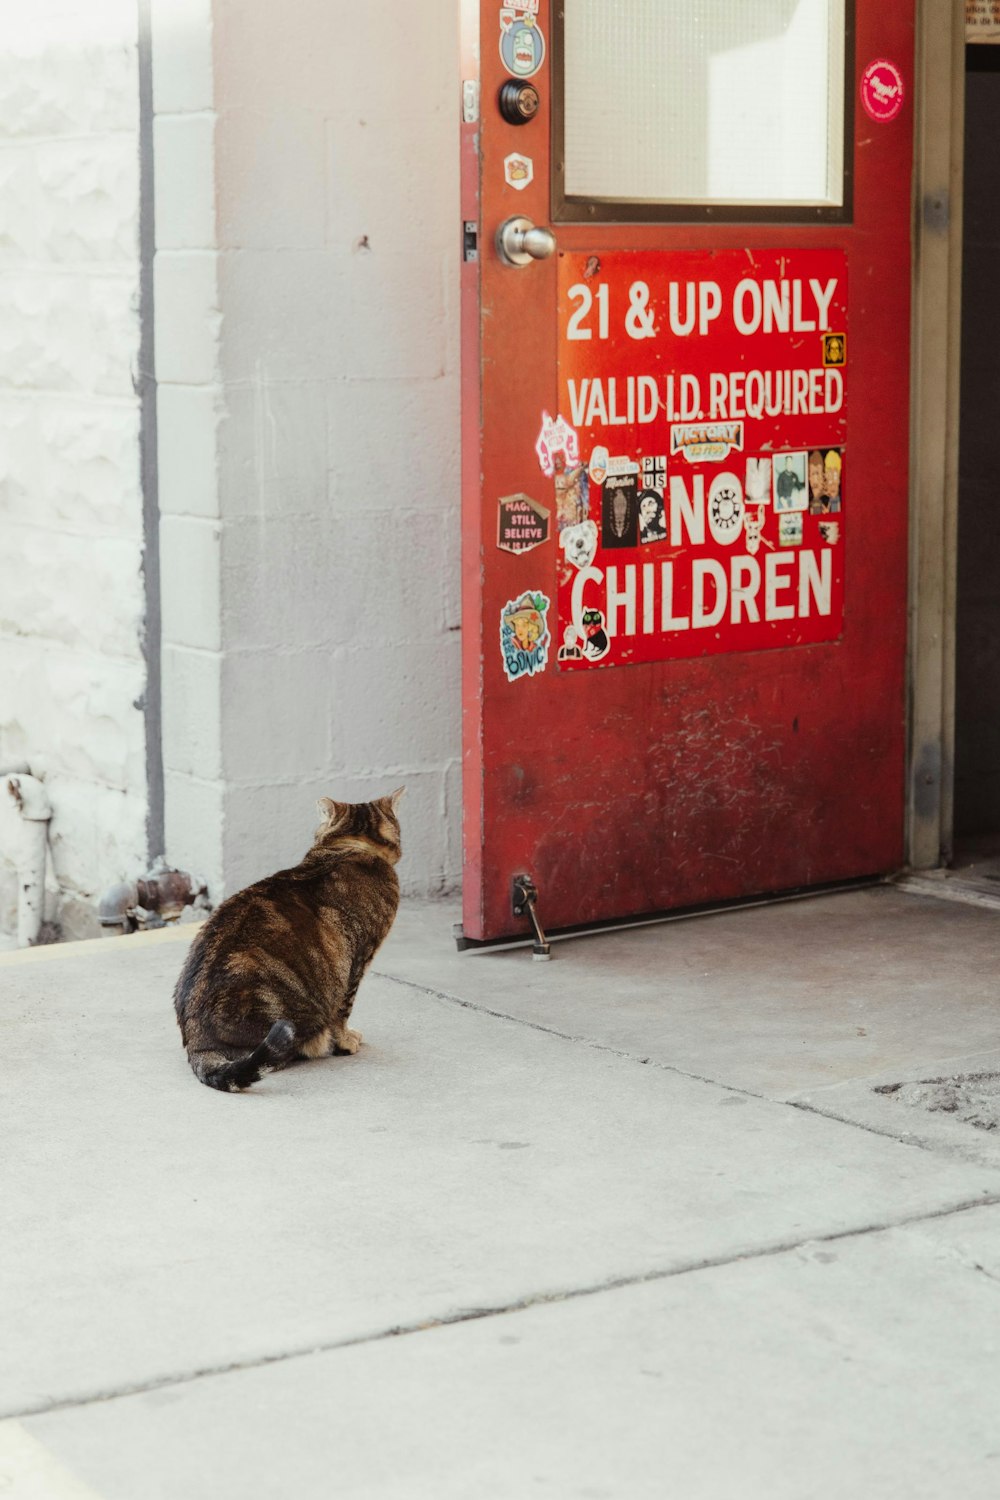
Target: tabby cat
{"x": 273, "y": 973}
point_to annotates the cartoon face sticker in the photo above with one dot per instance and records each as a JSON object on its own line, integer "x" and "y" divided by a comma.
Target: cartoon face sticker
{"x": 524, "y": 635}
{"x": 570, "y": 649}
{"x": 579, "y": 543}
{"x": 815, "y": 482}
{"x": 595, "y": 637}
{"x": 528, "y": 627}
{"x": 522, "y": 46}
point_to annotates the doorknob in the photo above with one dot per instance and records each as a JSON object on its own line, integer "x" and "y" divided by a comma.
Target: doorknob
{"x": 519, "y": 242}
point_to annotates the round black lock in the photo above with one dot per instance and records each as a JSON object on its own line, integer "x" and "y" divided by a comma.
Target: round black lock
{"x": 518, "y": 102}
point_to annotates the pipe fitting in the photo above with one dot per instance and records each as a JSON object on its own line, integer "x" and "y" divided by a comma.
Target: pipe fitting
{"x": 114, "y": 907}
{"x": 157, "y": 899}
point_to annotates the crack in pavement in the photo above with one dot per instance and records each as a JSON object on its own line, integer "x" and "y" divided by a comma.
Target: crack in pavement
{"x": 958, "y": 1150}
{"x": 522, "y": 1304}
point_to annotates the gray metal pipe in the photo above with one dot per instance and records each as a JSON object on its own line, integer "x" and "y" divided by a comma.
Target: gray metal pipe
{"x": 31, "y": 801}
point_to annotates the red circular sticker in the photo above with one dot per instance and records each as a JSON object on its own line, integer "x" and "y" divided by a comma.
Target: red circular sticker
{"x": 882, "y": 90}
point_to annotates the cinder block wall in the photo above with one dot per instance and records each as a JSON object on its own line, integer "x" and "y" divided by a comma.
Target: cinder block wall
{"x": 72, "y": 676}
{"x": 307, "y": 362}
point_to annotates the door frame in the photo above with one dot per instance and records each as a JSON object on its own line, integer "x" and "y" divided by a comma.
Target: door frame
{"x": 938, "y": 143}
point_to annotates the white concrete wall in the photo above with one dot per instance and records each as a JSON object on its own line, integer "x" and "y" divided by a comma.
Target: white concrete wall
{"x": 307, "y": 360}
{"x": 71, "y": 596}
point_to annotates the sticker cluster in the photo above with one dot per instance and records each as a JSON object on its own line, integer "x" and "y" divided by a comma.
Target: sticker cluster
{"x": 764, "y": 501}
{"x": 695, "y": 467}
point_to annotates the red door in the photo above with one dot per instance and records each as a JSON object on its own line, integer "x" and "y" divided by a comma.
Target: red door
{"x": 685, "y": 432}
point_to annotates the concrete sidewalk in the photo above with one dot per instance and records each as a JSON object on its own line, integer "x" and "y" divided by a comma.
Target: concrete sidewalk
{"x": 633, "y": 1223}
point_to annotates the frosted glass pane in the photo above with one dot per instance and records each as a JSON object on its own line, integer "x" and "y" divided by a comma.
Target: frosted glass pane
{"x": 704, "y": 101}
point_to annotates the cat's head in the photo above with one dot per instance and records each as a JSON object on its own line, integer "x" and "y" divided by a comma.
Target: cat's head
{"x": 360, "y": 827}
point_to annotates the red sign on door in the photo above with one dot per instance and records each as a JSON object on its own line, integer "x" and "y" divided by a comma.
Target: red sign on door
{"x": 698, "y": 455}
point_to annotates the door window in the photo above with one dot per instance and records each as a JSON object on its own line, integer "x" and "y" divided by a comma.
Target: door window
{"x": 717, "y": 109}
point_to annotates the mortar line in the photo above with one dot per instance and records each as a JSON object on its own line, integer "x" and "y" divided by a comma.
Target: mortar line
{"x": 521, "y": 1304}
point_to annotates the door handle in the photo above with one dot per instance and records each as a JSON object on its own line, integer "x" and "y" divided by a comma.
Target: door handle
{"x": 519, "y": 242}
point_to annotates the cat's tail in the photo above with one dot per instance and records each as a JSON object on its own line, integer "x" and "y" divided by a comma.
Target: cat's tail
{"x": 232, "y": 1075}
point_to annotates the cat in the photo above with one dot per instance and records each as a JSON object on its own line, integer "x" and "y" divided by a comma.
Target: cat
{"x": 273, "y": 973}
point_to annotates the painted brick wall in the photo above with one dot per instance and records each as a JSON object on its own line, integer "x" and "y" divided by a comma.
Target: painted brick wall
{"x": 71, "y": 595}
{"x": 307, "y": 365}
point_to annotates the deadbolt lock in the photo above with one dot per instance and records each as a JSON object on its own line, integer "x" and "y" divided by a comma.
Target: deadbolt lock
{"x": 518, "y": 101}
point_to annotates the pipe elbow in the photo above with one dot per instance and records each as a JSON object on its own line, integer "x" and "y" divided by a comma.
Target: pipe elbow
{"x": 115, "y": 906}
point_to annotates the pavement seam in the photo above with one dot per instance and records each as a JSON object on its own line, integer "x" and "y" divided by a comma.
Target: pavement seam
{"x": 522, "y": 1304}
{"x": 902, "y": 1138}
{"x": 568, "y": 1036}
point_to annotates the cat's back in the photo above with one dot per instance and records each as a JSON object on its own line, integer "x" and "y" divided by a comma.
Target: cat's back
{"x": 270, "y": 915}
{"x": 325, "y": 908}
{"x": 364, "y": 892}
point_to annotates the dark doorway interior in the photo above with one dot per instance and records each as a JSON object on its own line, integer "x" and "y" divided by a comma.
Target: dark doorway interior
{"x": 977, "y": 685}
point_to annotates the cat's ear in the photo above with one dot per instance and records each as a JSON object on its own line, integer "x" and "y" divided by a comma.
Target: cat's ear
{"x": 387, "y": 805}
{"x": 390, "y": 803}
{"x": 330, "y": 812}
